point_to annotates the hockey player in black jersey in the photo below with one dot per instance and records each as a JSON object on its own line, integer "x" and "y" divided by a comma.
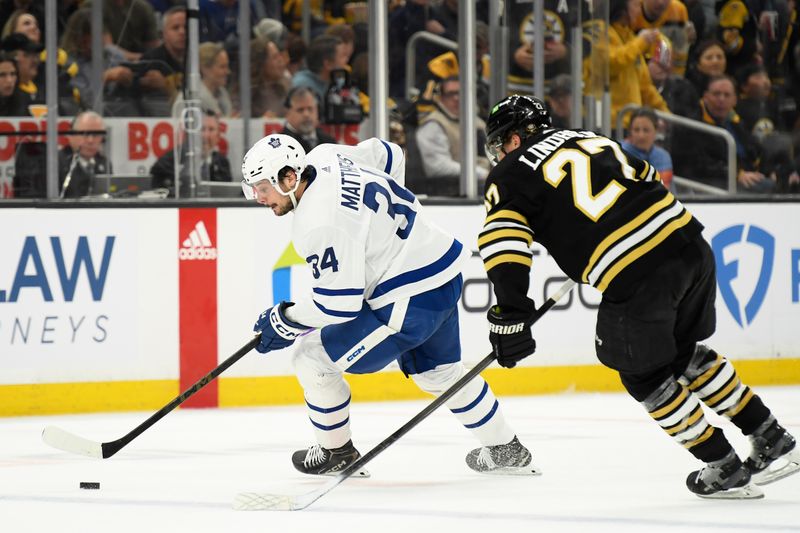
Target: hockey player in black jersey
{"x": 607, "y": 221}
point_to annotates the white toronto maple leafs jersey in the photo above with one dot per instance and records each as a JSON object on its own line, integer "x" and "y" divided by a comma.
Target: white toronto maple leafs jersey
{"x": 364, "y": 235}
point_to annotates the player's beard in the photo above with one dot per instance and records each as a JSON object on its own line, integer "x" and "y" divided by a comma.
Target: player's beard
{"x": 282, "y": 208}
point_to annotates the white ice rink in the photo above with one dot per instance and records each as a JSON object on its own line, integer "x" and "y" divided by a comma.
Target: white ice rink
{"x": 607, "y": 467}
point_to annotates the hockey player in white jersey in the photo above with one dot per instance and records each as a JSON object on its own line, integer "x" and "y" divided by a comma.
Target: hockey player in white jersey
{"x": 386, "y": 287}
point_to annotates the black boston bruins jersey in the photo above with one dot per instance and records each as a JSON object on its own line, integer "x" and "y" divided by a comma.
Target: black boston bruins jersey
{"x": 601, "y": 213}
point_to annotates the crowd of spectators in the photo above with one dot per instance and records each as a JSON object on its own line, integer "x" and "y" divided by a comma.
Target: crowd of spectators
{"x": 728, "y": 63}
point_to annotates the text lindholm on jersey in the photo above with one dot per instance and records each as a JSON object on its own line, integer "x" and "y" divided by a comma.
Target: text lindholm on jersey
{"x": 547, "y": 146}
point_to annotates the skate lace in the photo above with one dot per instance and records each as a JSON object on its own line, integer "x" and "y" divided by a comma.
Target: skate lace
{"x": 485, "y": 458}
{"x": 314, "y": 456}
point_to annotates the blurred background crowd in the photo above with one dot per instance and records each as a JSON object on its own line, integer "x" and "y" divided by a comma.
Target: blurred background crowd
{"x": 666, "y": 69}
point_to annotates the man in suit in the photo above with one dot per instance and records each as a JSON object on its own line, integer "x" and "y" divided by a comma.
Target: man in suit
{"x": 302, "y": 119}
{"x": 81, "y": 160}
{"x": 214, "y": 166}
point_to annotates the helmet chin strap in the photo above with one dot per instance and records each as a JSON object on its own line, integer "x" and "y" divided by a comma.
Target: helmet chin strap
{"x": 293, "y": 199}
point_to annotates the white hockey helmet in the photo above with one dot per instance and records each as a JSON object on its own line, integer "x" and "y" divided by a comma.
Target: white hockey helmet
{"x": 266, "y": 158}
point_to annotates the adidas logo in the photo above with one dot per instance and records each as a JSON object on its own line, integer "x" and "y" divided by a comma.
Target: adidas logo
{"x": 198, "y": 245}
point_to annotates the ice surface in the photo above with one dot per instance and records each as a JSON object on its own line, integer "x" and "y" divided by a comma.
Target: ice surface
{"x": 607, "y": 467}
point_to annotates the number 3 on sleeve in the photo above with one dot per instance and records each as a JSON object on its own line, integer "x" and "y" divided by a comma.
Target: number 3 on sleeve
{"x": 328, "y": 261}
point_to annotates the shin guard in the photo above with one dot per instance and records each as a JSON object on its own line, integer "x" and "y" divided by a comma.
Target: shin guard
{"x": 715, "y": 381}
{"x": 680, "y": 415}
{"x": 475, "y": 406}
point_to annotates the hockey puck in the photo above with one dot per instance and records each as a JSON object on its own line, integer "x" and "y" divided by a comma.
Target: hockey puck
{"x": 90, "y": 485}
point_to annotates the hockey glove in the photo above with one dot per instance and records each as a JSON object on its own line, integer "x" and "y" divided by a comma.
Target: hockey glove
{"x": 510, "y": 336}
{"x": 277, "y": 331}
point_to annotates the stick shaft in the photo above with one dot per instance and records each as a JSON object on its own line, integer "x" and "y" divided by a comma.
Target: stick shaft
{"x": 435, "y": 404}
{"x": 110, "y": 448}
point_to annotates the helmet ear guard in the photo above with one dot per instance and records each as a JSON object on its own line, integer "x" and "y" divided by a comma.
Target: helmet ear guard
{"x": 267, "y": 158}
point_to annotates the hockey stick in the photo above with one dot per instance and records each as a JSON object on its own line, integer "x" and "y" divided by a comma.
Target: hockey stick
{"x": 68, "y": 442}
{"x": 253, "y": 501}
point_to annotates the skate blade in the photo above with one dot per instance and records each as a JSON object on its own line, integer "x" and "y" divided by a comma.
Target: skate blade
{"x": 529, "y": 470}
{"x": 748, "y": 492}
{"x": 363, "y": 473}
{"x": 780, "y": 468}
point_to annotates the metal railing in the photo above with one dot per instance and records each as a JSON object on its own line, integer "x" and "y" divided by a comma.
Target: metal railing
{"x": 411, "y": 55}
{"x": 696, "y": 125}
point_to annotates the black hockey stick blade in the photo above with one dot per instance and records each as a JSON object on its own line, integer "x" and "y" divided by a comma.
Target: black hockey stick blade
{"x": 254, "y": 501}
{"x": 69, "y": 442}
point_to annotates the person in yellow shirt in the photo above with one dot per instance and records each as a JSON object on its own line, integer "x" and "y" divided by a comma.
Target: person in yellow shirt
{"x": 628, "y": 75}
{"x": 671, "y": 18}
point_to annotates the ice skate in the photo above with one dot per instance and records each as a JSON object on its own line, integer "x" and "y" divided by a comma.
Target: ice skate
{"x": 319, "y": 461}
{"x": 503, "y": 459}
{"x": 727, "y": 478}
{"x": 774, "y": 455}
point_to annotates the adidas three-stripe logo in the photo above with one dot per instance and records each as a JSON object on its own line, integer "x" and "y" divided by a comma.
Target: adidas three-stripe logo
{"x": 197, "y": 245}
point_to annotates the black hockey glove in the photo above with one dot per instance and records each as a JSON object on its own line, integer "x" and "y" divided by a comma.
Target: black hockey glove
{"x": 510, "y": 336}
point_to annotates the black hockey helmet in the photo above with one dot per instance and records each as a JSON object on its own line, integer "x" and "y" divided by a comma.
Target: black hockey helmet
{"x": 520, "y": 114}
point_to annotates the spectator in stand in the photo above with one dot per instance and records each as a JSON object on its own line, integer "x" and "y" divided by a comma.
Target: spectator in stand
{"x": 81, "y": 159}
{"x": 758, "y": 108}
{"x": 404, "y": 22}
{"x": 272, "y": 30}
{"x": 347, "y": 35}
{"x": 671, "y": 18}
{"x": 214, "y": 73}
{"x": 703, "y": 157}
{"x": 302, "y": 119}
{"x": 559, "y": 101}
{"x": 22, "y": 21}
{"x": 710, "y": 62}
{"x": 439, "y": 141}
{"x": 161, "y": 74}
{"x": 214, "y": 167}
{"x": 269, "y": 78}
{"x": 26, "y": 54}
{"x": 699, "y": 21}
{"x": 326, "y": 53}
{"x": 737, "y": 30}
{"x": 642, "y": 143}
{"x": 12, "y": 102}
{"x": 118, "y": 97}
{"x": 557, "y": 43}
{"x": 296, "y": 49}
{"x": 36, "y": 8}
{"x": 785, "y": 74}
{"x": 219, "y": 19}
{"x": 446, "y": 66}
{"x": 69, "y": 96}
{"x": 678, "y": 92}
{"x": 629, "y": 77}
{"x": 323, "y": 13}
{"x": 757, "y": 105}
{"x": 132, "y": 24}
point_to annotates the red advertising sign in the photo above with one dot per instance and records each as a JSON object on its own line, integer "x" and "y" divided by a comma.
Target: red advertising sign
{"x": 197, "y": 273}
